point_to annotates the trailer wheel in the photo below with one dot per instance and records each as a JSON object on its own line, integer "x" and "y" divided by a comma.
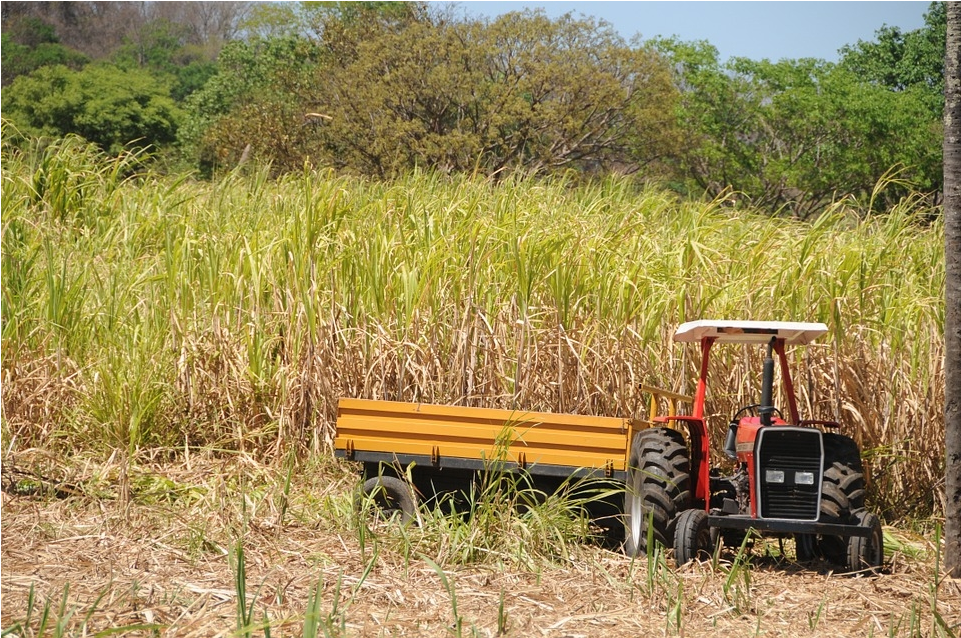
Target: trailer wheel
{"x": 389, "y": 496}
{"x": 692, "y": 540}
{"x": 658, "y": 487}
{"x": 866, "y": 553}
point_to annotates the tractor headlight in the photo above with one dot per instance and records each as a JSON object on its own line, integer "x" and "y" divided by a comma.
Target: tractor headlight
{"x": 773, "y": 476}
{"x": 804, "y": 478}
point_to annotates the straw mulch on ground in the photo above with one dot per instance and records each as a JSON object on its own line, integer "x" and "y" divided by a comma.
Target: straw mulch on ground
{"x": 154, "y": 549}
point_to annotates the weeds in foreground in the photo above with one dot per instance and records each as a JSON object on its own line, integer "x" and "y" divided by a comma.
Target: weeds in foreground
{"x": 457, "y": 626}
{"x": 337, "y": 592}
{"x": 737, "y": 580}
{"x": 59, "y": 619}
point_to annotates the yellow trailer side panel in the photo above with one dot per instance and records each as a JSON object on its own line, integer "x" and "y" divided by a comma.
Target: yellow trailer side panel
{"x": 439, "y": 431}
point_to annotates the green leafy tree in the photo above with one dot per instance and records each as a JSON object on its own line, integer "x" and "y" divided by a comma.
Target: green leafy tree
{"x": 823, "y": 131}
{"x": 257, "y": 96}
{"x": 164, "y": 48}
{"x": 718, "y": 113}
{"x": 901, "y": 60}
{"x": 394, "y": 87}
{"x": 569, "y": 93}
{"x": 30, "y": 43}
{"x": 795, "y": 134}
{"x": 106, "y": 105}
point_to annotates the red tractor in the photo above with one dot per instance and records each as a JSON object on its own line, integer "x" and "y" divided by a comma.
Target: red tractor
{"x": 792, "y": 476}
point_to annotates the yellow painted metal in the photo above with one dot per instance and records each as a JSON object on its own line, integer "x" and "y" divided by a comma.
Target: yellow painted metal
{"x": 439, "y": 432}
{"x": 666, "y": 395}
{"x": 671, "y": 398}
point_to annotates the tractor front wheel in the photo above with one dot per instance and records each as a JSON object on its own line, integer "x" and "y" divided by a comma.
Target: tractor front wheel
{"x": 842, "y": 494}
{"x": 866, "y": 553}
{"x": 692, "y": 539}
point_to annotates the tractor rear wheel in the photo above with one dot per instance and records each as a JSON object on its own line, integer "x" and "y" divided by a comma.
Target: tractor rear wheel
{"x": 692, "y": 539}
{"x": 842, "y": 494}
{"x": 658, "y": 488}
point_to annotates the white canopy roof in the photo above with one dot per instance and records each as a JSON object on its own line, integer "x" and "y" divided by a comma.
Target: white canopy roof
{"x": 792, "y": 332}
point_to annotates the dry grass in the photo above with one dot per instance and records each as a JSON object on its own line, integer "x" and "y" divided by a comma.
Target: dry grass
{"x": 159, "y": 311}
{"x": 148, "y": 548}
{"x": 147, "y": 318}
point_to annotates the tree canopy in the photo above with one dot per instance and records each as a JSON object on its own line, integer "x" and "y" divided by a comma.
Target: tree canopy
{"x": 106, "y": 105}
{"x": 388, "y": 93}
{"x": 793, "y": 134}
{"x": 382, "y": 88}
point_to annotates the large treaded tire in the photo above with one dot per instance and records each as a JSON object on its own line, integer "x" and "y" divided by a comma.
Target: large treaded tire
{"x": 836, "y": 508}
{"x": 658, "y": 488}
{"x": 389, "y": 497}
{"x": 842, "y": 449}
{"x": 842, "y": 494}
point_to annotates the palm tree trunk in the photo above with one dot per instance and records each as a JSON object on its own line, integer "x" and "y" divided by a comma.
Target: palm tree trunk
{"x": 952, "y": 318}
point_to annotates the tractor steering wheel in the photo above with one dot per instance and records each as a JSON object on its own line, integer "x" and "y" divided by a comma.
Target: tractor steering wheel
{"x": 753, "y": 410}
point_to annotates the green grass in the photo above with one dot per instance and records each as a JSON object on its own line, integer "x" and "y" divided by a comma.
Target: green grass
{"x": 145, "y": 312}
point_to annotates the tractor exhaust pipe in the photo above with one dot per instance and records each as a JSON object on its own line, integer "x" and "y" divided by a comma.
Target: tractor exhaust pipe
{"x": 767, "y": 386}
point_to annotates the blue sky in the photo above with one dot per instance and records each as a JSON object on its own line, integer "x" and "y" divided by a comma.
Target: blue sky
{"x": 755, "y": 30}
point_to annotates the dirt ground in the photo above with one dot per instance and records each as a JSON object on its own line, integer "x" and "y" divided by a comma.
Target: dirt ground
{"x": 153, "y": 552}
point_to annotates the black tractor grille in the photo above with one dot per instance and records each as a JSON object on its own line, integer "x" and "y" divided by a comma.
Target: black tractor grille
{"x": 793, "y": 455}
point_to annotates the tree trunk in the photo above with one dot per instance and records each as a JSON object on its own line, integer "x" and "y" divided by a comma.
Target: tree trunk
{"x": 952, "y": 318}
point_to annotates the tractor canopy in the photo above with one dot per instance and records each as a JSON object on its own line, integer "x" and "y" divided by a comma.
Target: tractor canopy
{"x": 792, "y": 332}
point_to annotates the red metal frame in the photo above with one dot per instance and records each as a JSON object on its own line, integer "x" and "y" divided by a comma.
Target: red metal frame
{"x": 786, "y": 379}
{"x": 697, "y": 428}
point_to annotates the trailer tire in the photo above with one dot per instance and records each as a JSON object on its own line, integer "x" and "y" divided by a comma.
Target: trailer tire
{"x": 657, "y": 489}
{"x": 693, "y": 538}
{"x": 866, "y": 553}
{"x": 389, "y": 496}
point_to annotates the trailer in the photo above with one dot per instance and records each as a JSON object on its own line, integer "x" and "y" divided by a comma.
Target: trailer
{"x": 412, "y": 452}
{"x": 792, "y": 476}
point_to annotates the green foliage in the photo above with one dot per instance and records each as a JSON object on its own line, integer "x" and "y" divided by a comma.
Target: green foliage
{"x": 796, "y": 134}
{"x": 394, "y": 87}
{"x": 824, "y": 131}
{"x": 901, "y": 60}
{"x": 910, "y": 66}
{"x": 29, "y": 44}
{"x": 191, "y": 78}
{"x": 106, "y": 105}
{"x": 269, "y": 20}
{"x": 161, "y": 46}
{"x": 256, "y": 84}
{"x": 155, "y": 46}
